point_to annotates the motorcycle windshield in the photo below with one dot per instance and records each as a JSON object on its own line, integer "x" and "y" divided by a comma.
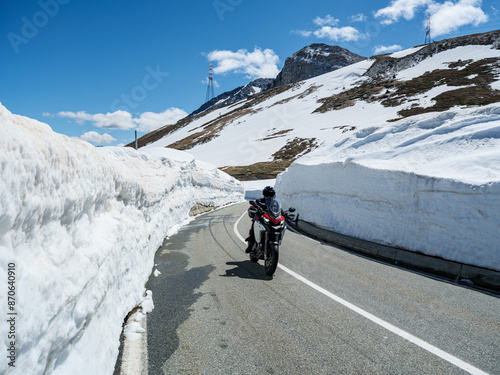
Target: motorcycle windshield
{"x": 273, "y": 208}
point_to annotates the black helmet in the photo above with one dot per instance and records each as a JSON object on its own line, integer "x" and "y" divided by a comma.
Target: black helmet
{"x": 268, "y": 192}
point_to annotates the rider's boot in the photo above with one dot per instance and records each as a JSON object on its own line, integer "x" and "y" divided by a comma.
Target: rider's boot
{"x": 249, "y": 246}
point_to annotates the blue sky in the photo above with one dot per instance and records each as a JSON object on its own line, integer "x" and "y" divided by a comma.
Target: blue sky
{"x": 102, "y": 69}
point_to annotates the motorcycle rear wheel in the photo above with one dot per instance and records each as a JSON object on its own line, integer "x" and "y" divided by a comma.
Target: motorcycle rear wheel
{"x": 272, "y": 261}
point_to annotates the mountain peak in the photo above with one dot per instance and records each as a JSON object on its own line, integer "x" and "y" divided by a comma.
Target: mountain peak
{"x": 310, "y": 61}
{"x": 314, "y": 60}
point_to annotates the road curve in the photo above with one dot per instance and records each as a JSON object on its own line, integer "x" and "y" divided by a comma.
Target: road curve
{"x": 325, "y": 311}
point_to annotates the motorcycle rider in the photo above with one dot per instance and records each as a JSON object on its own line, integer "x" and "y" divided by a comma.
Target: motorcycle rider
{"x": 268, "y": 192}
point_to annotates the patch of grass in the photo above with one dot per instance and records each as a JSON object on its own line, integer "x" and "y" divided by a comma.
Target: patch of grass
{"x": 345, "y": 128}
{"x": 210, "y": 130}
{"x": 458, "y": 64}
{"x": 295, "y": 148}
{"x": 465, "y": 96}
{"x": 281, "y": 133}
{"x": 281, "y": 161}
{"x": 472, "y": 78}
{"x": 258, "y": 171}
{"x": 479, "y": 74}
{"x": 368, "y": 91}
{"x": 163, "y": 131}
{"x": 309, "y": 91}
{"x": 302, "y": 95}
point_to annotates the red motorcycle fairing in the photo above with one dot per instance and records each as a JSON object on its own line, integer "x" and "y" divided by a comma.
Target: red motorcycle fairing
{"x": 275, "y": 222}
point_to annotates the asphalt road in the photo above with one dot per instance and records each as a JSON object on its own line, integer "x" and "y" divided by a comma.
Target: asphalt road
{"x": 325, "y": 311}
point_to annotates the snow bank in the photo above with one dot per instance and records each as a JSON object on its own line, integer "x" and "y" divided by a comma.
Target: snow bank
{"x": 428, "y": 183}
{"x": 253, "y": 189}
{"x": 406, "y": 52}
{"x": 82, "y": 224}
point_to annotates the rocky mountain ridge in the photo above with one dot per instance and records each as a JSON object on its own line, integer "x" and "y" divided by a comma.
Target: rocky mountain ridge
{"x": 387, "y": 65}
{"x": 263, "y": 134}
{"x": 314, "y": 60}
{"x": 310, "y": 61}
{"x": 239, "y": 93}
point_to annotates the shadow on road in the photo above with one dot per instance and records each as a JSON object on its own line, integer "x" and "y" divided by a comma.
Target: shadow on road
{"x": 247, "y": 270}
{"x": 174, "y": 293}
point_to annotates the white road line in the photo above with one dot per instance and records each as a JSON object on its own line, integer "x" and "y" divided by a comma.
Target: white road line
{"x": 235, "y": 228}
{"x": 423, "y": 344}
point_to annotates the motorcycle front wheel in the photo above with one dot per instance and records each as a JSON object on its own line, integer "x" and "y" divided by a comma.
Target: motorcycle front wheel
{"x": 272, "y": 261}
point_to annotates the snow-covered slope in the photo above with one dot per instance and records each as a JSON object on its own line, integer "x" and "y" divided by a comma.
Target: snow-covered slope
{"x": 81, "y": 225}
{"x": 406, "y": 147}
{"x": 286, "y": 122}
{"x": 430, "y": 183}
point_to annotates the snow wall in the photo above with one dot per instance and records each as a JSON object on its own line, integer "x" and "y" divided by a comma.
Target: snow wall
{"x": 383, "y": 185}
{"x": 82, "y": 225}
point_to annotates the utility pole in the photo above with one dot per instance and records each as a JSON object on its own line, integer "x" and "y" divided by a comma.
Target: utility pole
{"x": 428, "y": 32}
{"x": 210, "y": 87}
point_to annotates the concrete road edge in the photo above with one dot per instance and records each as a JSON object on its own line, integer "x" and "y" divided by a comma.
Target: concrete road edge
{"x": 463, "y": 274}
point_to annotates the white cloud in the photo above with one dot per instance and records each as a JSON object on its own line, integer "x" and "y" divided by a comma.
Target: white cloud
{"x": 445, "y": 17}
{"x": 257, "y": 64}
{"x": 360, "y": 17}
{"x": 95, "y": 137}
{"x": 149, "y": 121}
{"x": 116, "y": 120}
{"x": 400, "y": 8}
{"x": 304, "y": 33}
{"x": 449, "y": 16}
{"x": 328, "y": 30}
{"x": 123, "y": 120}
{"x": 347, "y": 33}
{"x": 327, "y": 21}
{"x": 386, "y": 49}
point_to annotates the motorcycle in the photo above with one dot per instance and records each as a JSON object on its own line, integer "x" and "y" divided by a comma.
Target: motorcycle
{"x": 269, "y": 229}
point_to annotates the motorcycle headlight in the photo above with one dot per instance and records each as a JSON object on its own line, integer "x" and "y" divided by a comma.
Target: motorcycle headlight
{"x": 279, "y": 226}
{"x": 266, "y": 220}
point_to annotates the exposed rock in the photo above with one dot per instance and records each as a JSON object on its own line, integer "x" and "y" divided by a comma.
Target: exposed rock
{"x": 386, "y": 65}
{"x": 314, "y": 60}
{"x": 235, "y": 95}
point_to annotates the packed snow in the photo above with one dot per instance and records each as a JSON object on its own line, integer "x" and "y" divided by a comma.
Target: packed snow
{"x": 82, "y": 225}
{"x": 243, "y": 139}
{"x": 253, "y": 189}
{"x": 429, "y": 183}
{"x": 255, "y": 137}
{"x": 406, "y": 52}
{"x": 443, "y": 59}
